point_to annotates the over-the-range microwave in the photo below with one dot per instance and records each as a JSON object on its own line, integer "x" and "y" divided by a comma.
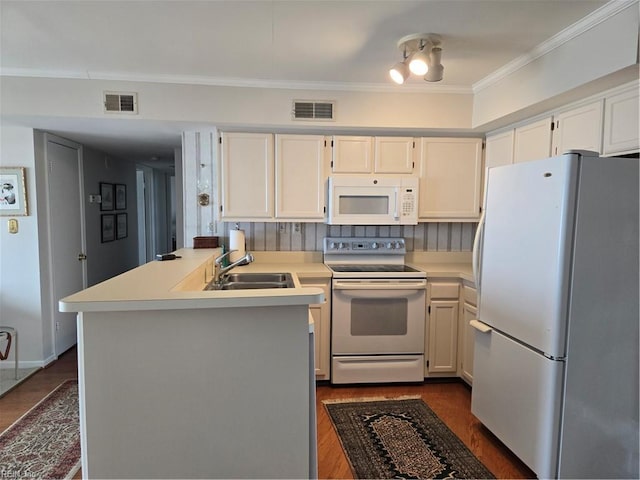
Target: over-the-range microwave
{"x": 373, "y": 200}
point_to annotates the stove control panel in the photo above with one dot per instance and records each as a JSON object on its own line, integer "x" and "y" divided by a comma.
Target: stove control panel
{"x": 368, "y": 245}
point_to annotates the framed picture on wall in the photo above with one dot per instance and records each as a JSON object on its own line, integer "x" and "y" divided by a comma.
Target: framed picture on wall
{"x": 13, "y": 192}
{"x": 121, "y": 225}
{"x": 121, "y": 197}
{"x": 106, "y": 195}
{"x": 108, "y": 225}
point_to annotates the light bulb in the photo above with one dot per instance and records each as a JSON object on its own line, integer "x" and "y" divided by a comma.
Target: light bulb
{"x": 399, "y": 73}
{"x": 419, "y": 64}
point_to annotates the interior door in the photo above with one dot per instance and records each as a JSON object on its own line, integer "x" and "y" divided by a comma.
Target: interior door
{"x": 68, "y": 268}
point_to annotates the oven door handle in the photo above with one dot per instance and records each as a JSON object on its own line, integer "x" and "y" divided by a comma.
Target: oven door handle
{"x": 359, "y": 285}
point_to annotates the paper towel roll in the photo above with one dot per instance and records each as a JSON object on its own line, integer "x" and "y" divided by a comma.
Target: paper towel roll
{"x": 236, "y": 242}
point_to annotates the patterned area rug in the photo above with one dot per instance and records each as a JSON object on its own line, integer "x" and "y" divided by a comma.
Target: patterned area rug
{"x": 45, "y": 442}
{"x": 400, "y": 439}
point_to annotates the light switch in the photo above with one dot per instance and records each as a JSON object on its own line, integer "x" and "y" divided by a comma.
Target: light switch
{"x": 12, "y": 225}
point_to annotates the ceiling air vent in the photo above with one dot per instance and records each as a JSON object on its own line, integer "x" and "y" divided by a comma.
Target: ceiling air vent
{"x": 120, "y": 102}
{"x": 310, "y": 110}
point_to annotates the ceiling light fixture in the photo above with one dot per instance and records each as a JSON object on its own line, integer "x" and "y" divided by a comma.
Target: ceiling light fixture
{"x": 423, "y": 52}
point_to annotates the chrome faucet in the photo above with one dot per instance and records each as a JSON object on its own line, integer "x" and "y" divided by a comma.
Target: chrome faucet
{"x": 219, "y": 271}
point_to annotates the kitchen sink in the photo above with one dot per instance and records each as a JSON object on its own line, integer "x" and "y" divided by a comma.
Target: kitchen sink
{"x": 252, "y": 281}
{"x": 258, "y": 277}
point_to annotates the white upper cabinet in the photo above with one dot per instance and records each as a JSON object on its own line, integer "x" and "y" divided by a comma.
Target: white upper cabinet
{"x": 621, "y": 129}
{"x": 300, "y": 176}
{"x": 394, "y": 154}
{"x": 352, "y": 154}
{"x": 532, "y": 141}
{"x": 450, "y": 174}
{"x": 578, "y": 129}
{"x": 247, "y": 176}
{"x": 499, "y": 149}
{"x": 372, "y": 154}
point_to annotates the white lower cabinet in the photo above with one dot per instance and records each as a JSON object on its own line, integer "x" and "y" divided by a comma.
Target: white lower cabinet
{"x": 321, "y": 314}
{"x": 443, "y": 306}
{"x": 468, "y": 312}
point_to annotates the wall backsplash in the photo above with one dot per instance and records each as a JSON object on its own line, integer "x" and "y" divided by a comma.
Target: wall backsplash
{"x": 277, "y": 236}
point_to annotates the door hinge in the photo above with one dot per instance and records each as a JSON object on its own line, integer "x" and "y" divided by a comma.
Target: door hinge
{"x": 331, "y": 163}
{"x": 480, "y": 209}
{"x": 414, "y": 144}
{"x": 483, "y": 145}
{"x": 427, "y": 363}
{"x": 553, "y": 126}
{"x": 413, "y": 164}
{"x": 331, "y": 143}
{"x": 429, "y": 309}
{"x": 220, "y": 140}
{"x": 220, "y": 208}
{"x": 324, "y": 209}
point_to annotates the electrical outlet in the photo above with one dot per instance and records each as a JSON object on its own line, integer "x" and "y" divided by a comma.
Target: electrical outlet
{"x": 282, "y": 227}
{"x": 296, "y": 227}
{"x": 12, "y": 225}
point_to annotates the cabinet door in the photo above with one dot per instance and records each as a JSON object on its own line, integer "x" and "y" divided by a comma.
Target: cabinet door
{"x": 443, "y": 336}
{"x": 533, "y": 141}
{"x": 247, "y": 176}
{"x": 352, "y": 154}
{"x": 300, "y": 177}
{"x": 578, "y": 129}
{"x": 469, "y": 312}
{"x": 450, "y": 172}
{"x": 394, "y": 154}
{"x": 621, "y": 123}
{"x": 321, "y": 314}
{"x": 499, "y": 149}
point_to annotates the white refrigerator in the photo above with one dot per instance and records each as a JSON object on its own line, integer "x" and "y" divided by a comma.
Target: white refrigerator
{"x": 556, "y": 344}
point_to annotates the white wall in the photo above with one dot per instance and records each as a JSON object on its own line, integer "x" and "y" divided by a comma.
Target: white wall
{"x": 20, "y": 299}
{"x": 229, "y": 106}
{"x": 606, "y": 48}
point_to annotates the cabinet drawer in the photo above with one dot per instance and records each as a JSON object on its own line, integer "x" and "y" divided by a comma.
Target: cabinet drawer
{"x": 470, "y": 295}
{"x": 444, "y": 290}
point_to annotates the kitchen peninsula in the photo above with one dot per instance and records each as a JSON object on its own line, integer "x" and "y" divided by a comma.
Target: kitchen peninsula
{"x": 177, "y": 382}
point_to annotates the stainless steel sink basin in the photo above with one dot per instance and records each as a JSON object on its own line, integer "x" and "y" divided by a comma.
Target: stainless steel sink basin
{"x": 257, "y": 277}
{"x": 252, "y": 281}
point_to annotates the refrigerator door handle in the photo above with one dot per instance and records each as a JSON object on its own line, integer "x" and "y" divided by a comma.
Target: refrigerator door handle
{"x": 481, "y": 327}
{"x": 477, "y": 246}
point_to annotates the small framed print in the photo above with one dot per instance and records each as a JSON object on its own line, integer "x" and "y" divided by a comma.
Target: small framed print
{"x": 13, "y": 192}
{"x": 108, "y": 225}
{"x": 121, "y": 225}
{"x": 121, "y": 197}
{"x": 106, "y": 195}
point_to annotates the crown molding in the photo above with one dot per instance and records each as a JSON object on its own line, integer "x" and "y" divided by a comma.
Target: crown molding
{"x": 598, "y": 16}
{"x": 236, "y": 82}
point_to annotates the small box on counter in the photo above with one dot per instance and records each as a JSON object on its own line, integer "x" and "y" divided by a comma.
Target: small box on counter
{"x": 205, "y": 242}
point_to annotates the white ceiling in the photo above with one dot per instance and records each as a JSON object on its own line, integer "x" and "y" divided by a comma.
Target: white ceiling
{"x": 316, "y": 43}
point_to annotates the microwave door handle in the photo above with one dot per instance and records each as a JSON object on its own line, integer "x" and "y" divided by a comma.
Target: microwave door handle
{"x": 395, "y": 213}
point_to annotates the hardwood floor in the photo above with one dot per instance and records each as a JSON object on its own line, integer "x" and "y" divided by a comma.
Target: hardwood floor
{"x": 450, "y": 401}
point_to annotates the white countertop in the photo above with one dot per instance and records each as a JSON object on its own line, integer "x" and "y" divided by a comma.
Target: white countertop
{"x": 177, "y": 284}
